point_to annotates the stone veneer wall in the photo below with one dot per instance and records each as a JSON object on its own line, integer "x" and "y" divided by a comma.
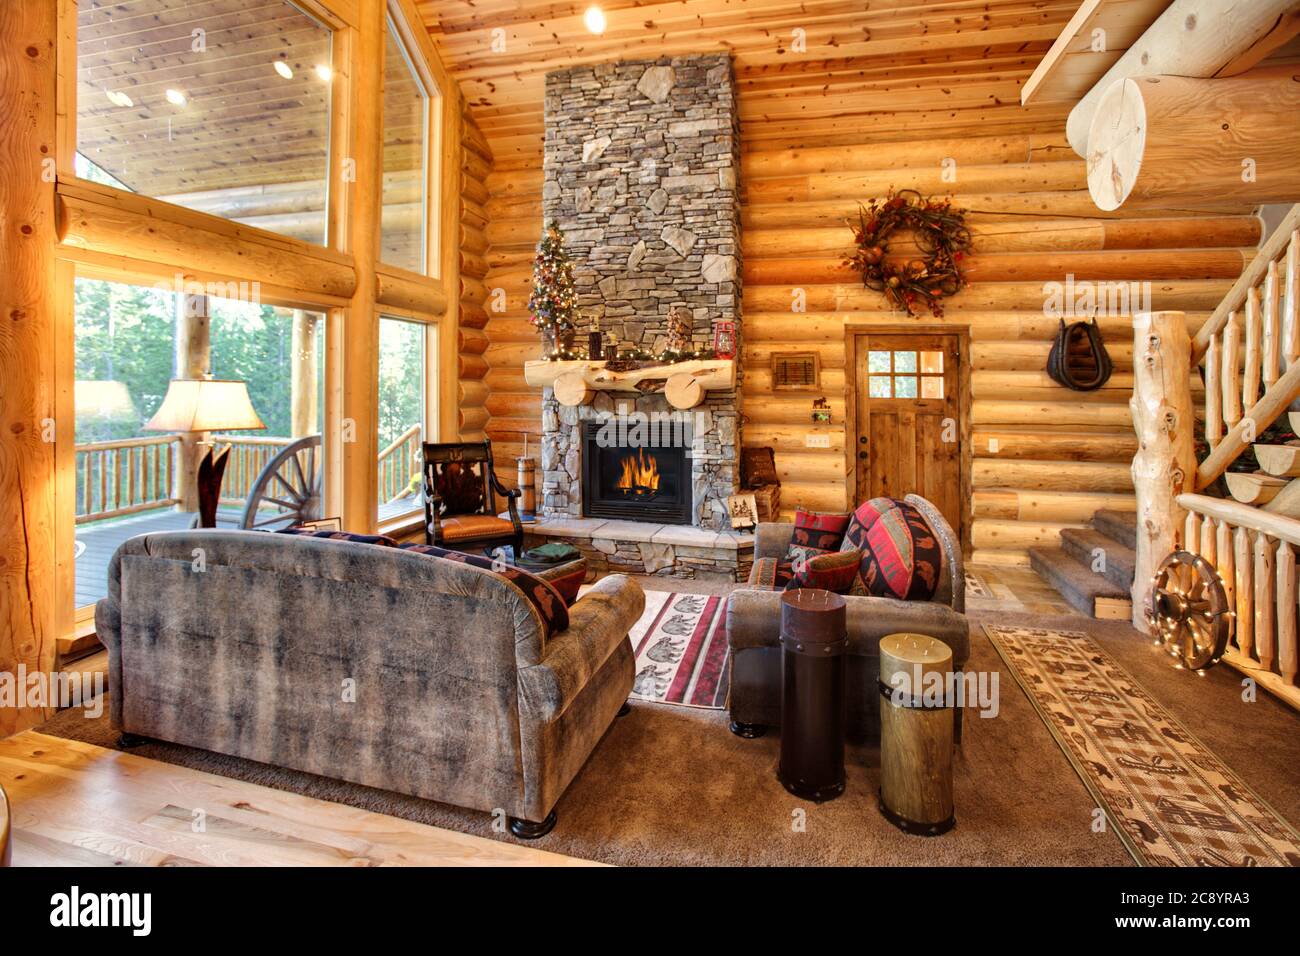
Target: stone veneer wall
{"x": 641, "y": 166}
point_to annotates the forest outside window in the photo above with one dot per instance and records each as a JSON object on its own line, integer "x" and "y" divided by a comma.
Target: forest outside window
{"x": 404, "y": 392}
{"x": 404, "y": 233}
{"x": 209, "y": 108}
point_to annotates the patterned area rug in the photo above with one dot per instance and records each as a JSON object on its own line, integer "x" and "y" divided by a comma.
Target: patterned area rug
{"x": 681, "y": 650}
{"x": 1171, "y": 800}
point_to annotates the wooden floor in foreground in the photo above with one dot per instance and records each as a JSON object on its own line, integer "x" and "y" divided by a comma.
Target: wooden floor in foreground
{"x": 75, "y": 804}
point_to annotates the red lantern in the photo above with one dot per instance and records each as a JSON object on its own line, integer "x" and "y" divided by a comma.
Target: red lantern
{"x": 724, "y": 338}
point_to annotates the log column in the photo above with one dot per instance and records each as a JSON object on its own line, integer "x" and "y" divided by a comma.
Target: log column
{"x": 1165, "y": 464}
{"x": 193, "y": 360}
{"x": 304, "y": 397}
{"x": 28, "y": 504}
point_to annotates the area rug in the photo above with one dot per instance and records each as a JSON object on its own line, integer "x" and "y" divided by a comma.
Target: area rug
{"x": 1166, "y": 795}
{"x": 681, "y": 650}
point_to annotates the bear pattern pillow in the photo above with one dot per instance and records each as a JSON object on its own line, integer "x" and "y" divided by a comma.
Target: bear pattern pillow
{"x": 901, "y": 554}
{"x": 816, "y": 532}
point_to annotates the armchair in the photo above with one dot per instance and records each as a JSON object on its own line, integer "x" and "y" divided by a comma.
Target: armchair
{"x": 460, "y": 485}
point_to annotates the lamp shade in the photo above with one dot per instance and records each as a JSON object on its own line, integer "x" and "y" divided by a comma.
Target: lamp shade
{"x": 102, "y": 400}
{"x": 204, "y": 405}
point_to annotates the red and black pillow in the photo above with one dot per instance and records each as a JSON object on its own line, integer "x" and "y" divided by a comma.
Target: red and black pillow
{"x": 835, "y": 571}
{"x": 816, "y": 532}
{"x": 566, "y": 578}
{"x": 541, "y": 594}
{"x": 900, "y": 554}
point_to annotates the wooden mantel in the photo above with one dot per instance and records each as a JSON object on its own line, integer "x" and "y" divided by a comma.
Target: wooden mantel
{"x": 684, "y": 383}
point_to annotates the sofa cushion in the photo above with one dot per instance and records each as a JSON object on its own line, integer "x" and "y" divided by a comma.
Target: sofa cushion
{"x": 834, "y": 571}
{"x": 816, "y": 532}
{"x": 770, "y": 574}
{"x": 901, "y": 554}
{"x": 542, "y": 595}
{"x": 380, "y": 539}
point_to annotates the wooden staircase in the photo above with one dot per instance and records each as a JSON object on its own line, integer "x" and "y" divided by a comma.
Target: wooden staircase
{"x": 1093, "y": 567}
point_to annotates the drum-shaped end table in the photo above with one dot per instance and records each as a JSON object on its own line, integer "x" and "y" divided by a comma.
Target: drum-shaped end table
{"x": 814, "y": 639}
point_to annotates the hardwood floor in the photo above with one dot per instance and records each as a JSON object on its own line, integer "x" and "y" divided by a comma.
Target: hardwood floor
{"x": 75, "y": 804}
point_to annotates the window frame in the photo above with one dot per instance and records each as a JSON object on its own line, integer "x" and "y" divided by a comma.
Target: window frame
{"x": 413, "y": 519}
{"x": 395, "y": 26}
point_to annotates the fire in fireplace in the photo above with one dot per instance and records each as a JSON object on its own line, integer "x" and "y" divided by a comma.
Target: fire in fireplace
{"x": 635, "y": 482}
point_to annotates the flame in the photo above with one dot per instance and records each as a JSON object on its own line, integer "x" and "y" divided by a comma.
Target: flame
{"x": 640, "y": 473}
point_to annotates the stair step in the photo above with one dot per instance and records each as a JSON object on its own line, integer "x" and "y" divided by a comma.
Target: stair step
{"x": 1083, "y": 544}
{"x": 1120, "y": 526}
{"x": 1093, "y": 594}
{"x": 1253, "y": 489}
{"x": 1282, "y": 461}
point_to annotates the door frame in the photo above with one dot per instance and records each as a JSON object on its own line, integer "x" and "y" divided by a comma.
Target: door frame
{"x": 851, "y": 332}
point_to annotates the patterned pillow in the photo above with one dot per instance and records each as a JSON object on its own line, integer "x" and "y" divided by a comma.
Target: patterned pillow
{"x": 541, "y": 594}
{"x": 901, "y": 555}
{"x": 770, "y": 574}
{"x": 380, "y": 539}
{"x": 834, "y": 571}
{"x": 567, "y": 578}
{"x": 816, "y": 532}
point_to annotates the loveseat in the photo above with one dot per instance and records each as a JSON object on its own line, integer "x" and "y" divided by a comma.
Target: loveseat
{"x": 370, "y": 664}
{"x": 754, "y": 632}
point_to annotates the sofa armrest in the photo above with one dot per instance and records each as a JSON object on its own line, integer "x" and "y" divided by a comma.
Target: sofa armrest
{"x": 772, "y": 539}
{"x": 598, "y": 622}
{"x": 754, "y": 620}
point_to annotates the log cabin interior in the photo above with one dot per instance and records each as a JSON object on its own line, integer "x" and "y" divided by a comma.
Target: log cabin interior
{"x": 513, "y": 432}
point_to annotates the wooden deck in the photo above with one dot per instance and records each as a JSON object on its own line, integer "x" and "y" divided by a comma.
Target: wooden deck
{"x": 101, "y": 540}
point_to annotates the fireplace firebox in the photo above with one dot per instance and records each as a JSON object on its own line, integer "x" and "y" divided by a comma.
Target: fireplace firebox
{"x": 636, "y": 482}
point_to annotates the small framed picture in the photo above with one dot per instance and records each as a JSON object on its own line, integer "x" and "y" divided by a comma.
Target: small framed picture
{"x": 743, "y": 511}
{"x": 322, "y": 524}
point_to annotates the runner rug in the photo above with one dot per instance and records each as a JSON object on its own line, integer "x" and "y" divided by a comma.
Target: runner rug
{"x": 681, "y": 650}
{"x": 1170, "y": 799}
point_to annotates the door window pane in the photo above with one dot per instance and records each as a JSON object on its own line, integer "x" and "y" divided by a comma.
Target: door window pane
{"x": 130, "y": 479}
{"x": 931, "y": 386}
{"x": 905, "y": 362}
{"x": 878, "y": 387}
{"x": 402, "y": 383}
{"x": 932, "y": 362}
{"x": 211, "y": 106}
{"x": 877, "y": 361}
{"x": 905, "y": 386}
{"x": 406, "y": 131}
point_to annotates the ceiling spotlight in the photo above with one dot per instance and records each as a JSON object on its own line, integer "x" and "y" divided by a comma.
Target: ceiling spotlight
{"x": 324, "y": 72}
{"x": 175, "y": 97}
{"x": 283, "y": 69}
{"x": 118, "y": 98}
{"x": 594, "y": 18}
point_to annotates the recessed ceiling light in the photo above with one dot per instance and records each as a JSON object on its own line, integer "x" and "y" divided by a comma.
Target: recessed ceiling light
{"x": 118, "y": 98}
{"x": 594, "y": 18}
{"x": 175, "y": 97}
{"x": 324, "y": 72}
{"x": 284, "y": 69}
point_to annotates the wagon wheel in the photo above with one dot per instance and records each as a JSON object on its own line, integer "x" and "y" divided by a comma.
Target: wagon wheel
{"x": 288, "y": 490}
{"x": 1190, "y": 610}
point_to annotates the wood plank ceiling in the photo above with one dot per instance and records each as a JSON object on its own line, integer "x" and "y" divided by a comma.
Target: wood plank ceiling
{"x": 808, "y": 71}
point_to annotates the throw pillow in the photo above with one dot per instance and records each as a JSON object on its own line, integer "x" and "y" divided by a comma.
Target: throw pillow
{"x": 834, "y": 571}
{"x": 541, "y": 594}
{"x": 816, "y": 532}
{"x": 380, "y": 539}
{"x": 901, "y": 555}
{"x": 769, "y": 574}
{"x": 566, "y": 578}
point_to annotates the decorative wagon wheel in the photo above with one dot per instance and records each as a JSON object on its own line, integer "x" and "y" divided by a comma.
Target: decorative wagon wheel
{"x": 1190, "y": 610}
{"x": 288, "y": 490}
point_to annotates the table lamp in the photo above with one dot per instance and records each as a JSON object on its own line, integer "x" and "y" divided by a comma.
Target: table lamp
{"x": 206, "y": 405}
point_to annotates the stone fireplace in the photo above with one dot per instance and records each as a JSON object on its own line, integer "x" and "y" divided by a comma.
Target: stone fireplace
{"x": 640, "y": 170}
{"x": 635, "y": 480}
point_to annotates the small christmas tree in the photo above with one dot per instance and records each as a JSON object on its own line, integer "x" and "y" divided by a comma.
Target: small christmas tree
{"x": 554, "y": 302}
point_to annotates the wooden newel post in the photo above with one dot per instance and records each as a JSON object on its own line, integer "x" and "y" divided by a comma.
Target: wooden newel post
{"x": 1165, "y": 464}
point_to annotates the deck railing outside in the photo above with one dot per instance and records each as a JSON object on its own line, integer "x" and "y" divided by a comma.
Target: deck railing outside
{"x": 129, "y": 475}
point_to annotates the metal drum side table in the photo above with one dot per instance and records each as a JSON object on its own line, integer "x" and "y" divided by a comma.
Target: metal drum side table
{"x": 813, "y": 704}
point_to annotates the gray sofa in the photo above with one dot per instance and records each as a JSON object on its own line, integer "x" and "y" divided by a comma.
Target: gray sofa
{"x": 370, "y": 664}
{"x": 754, "y": 634}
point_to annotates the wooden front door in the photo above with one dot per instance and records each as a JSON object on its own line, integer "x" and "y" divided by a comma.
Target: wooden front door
{"x": 908, "y": 421}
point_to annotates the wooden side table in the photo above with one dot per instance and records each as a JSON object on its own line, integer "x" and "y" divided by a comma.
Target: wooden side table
{"x": 6, "y": 853}
{"x": 916, "y": 728}
{"x": 813, "y": 716}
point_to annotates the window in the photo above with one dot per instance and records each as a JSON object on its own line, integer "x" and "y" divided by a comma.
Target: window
{"x": 404, "y": 392}
{"x": 208, "y": 106}
{"x": 894, "y": 374}
{"x": 403, "y": 235}
{"x": 129, "y": 478}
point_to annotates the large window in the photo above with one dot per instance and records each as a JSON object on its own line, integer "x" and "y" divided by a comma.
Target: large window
{"x": 404, "y": 390}
{"x": 403, "y": 232}
{"x": 130, "y": 342}
{"x": 219, "y": 106}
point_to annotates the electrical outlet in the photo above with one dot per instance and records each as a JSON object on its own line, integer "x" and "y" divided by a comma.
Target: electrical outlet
{"x": 816, "y": 440}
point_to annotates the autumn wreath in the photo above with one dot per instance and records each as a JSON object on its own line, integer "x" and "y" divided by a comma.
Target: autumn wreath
{"x": 941, "y": 237}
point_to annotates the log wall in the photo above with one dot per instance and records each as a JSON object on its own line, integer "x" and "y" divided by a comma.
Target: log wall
{"x": 1044, "y": 457}
{"x": 472, "y": 340}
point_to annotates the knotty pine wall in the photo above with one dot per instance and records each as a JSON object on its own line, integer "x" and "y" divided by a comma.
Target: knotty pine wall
{"x": 1059, "y": 455}
{"x": 472, "y": 340}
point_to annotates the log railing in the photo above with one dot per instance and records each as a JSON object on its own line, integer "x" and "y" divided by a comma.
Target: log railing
{"x": 122, "y": 477}
{"x": 1255, "y": 555}
{"x": 248, "y": 456}
{"x": 1250, "y": 346}
{"x": 398, "y": 462}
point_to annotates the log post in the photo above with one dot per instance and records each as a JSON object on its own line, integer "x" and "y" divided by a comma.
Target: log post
{"x": 28, "y": 505}
{"x": 1165, "y": 464}
{"x": 1171, "y": 137}
{"x": 192, "y": 360}
{"x": 303, "y": 392}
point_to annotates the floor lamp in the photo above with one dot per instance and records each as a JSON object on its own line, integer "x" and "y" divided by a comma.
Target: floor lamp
{"x": 199, "y": 406}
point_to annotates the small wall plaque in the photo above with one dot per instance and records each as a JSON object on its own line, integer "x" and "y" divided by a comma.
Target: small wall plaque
{"x": 796, "y": 371}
